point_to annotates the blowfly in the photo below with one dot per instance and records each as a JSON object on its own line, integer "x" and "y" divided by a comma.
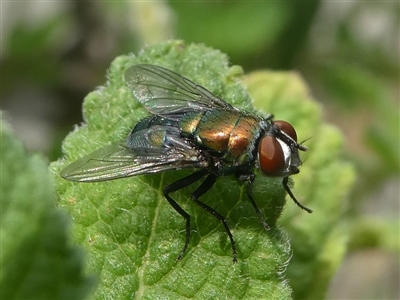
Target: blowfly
{"x": 190, "y": 128}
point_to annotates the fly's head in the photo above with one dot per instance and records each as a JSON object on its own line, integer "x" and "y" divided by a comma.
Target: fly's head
{"x": 278, "y": 150}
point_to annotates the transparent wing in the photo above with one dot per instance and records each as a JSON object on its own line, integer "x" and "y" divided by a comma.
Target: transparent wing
{"x": 117, "y": 161}
{"x": 164, "y": 92}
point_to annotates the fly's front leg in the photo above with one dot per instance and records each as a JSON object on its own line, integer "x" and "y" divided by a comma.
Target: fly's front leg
{"x": 175, "y": 186}
{"x": 286, "y": 186}
{"x": 250, "y": 180}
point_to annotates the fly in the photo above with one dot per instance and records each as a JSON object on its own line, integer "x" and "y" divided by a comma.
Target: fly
{"x": 190, "y": 128}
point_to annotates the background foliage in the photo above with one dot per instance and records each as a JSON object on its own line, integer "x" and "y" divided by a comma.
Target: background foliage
{"x": 53, "y": 55}
{"x": 36, "y": 260}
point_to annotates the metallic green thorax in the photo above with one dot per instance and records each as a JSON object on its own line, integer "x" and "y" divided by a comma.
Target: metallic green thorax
{"x": 231, "y": 134}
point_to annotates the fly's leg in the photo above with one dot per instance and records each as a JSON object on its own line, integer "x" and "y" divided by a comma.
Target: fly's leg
{"x": 175, "y": 186}
{"x": 250, "y": 179}
{"x": 203, "y": 188}
{"x": 285, "y": 185}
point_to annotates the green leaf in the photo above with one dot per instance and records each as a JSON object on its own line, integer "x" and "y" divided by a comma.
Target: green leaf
{"x": 318, "y": 240}
{"x": 133, "y": 236}
{"x": 36, "y": 260}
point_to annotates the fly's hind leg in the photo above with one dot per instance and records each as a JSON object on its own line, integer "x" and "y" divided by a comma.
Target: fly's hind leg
{"x": 203, "y": 188}
{"x": 175, "y": 186}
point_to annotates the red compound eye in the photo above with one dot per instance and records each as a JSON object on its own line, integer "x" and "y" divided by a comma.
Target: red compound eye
{"x": 271, "y": 157}
{"x": 286, "y": 128}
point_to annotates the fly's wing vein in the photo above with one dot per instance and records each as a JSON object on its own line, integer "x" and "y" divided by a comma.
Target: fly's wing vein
{"x": 117, "y": 161}
{"x": 164, "y": 92}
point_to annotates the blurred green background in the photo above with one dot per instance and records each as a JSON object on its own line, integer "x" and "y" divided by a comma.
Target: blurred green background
{"x": 54, "y": 53}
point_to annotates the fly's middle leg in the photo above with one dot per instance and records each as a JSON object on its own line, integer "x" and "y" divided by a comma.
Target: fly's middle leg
{"x": 178, "y": 185}
{"x": 203, "y": 188}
